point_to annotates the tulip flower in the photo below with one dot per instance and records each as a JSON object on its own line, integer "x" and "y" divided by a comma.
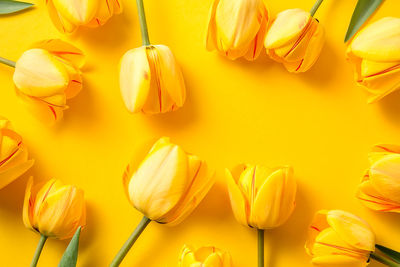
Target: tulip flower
{"x": 150, "y": 78}
{"x": 13, "y": 154}
{"x": 166, "y": 187}
{"x": 204, "y": 256}
{"x": 47, "y": 75}
{"x": 339, "y": 238}
{"x": 237, "y": 28}
{"x": 295, "y": 39}
{"x": 53, "y": 210}
{"x": 68, "y": 15}
{"x": 380, "y": 188}
{"x": 375, "y": 54}
{"x": 261, "y": 197}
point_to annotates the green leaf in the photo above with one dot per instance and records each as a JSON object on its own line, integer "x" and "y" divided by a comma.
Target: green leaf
{"x": 394, "y": 255}
{"x": 70, "y": 256}
{"x": 362, "y": 12}
{"x": 9, "y": 6}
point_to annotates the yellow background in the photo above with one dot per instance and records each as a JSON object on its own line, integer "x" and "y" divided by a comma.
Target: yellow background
{"x": 236, "y": 111}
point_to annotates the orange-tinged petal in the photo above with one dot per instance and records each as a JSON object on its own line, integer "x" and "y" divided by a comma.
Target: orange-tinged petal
{"x": 287, "y": 26}
{"x": 16, "y": 168}
{"x": 211, "y": 39}
{"x": 382, "y": 150}
{"x": 213, "y": 260}
{"x": 77, "y": 12}
{"x": 379, "y": 41}
{"x": 160, "y": 182}
{"x": 238, "y": 202}
{"x": 338, "y": 261}
{"x": 352, "y": 229}
{"x": 369, "y": 67}
{"x": 29, "y": 202}
{"x": 135, "y": 79}
{"x": 318, "y": 224}
{"x": 372, "y": 199}
{"x": 40, "y": 74}
{"x": 187, "y": 257}
{"x": 257, "y": 45}
{"x": 59, "y": 22}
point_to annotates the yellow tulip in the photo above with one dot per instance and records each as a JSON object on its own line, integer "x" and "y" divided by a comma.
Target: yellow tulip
{"x": 151, "y": 80}
{"x": 339, "y": 238}
{"x": 237, "y": 28}
{"x": 295, "y": 39}
{"x": 205, "y": 257}
{"x": 169, "y": 183}
{"x": 13, "y": 154}
{"x": 375, "y": 55}
{"x": 261, "y": 197}
{"x": 53, "y": 209}
{"x": 68, "y": 15}
{"x": 380, "y": 188}
{"x": 47, "y": 75}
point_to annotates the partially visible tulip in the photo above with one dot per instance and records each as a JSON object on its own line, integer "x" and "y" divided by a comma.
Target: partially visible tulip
{"x": 49, "y": 74}
{"x": 54, "y": 209}
{"x": 68, "y": 15}
{"x": 151, "y": 80}
{"x": 13, "y": 154}
{"x": 380, "y": 188}
{"x": 339, "y": 238}
{"x": 261, "y": 197}
{"x": 237, "y": 28}
{"x": 205, "y": 257}
{"x": 169, "y": 183}
{"x": 295, "y": 39}
{"x": 375, "y": 54}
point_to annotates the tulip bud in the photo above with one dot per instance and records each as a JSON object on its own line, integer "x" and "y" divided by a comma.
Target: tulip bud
{"x": 375, "y": 55}
{"x": 204, "y": 256}
{"x": 151, "y": 80}
{"x": 47, "y": 75}
{"x": 380, "y": 188}
{"x": 168, "y": 184}
{"x": 339, "y": 238}
{"x": 261, "y": 197}
{"x": 53, "y": 209}
{"x": 68, "y": 15}
{"x": 13, "y": 154}
{"x": 295, "y": 39}
{"x": 237, "y": 28}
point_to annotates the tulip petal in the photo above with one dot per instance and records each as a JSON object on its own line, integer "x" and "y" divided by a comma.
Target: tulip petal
{"x": 379, "y": 41}
{"x": 240, "y": 206}
{"x": 338, "y": 261}
{"x": 257, "y": 44}
{"x": 187, "y": 257}
{"x": 353, "y": 230}
{"x": 13, "y": 172}
{"x": 59, "y": 22}
{"x": 372, "y": 199}
{"x": 382, "y": 150}
{"x": 77, "y": 12}
{"x": 135, "y": 77}
{"x": 213, "y": 260}
{"x": 29, "y": 203}
{"x": 318, "y": 224}
{"x": 211, "y": 39}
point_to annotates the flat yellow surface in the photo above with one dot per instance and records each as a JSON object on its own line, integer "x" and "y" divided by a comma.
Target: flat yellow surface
{"x": 236, "y": 111}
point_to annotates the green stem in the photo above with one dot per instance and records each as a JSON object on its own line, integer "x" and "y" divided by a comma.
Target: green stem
{"x": 260, "y": 247}
{"x": 384, "y": 260}
{"x": 7, "y": 62}
{"x": 131, "y": 240}
{"x": 39, "y": 249}
{"x": 315, "y": 7}
{"x": 143, "y": 23}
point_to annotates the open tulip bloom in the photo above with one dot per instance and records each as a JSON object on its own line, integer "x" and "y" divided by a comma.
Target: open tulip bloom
{"x": 339, "y": 238}
{"x": 47, "y": 75}
{"x": 151, "y": 81}
{"x": 261, "y": 198}
{"x": 166, "y": 187}
{"x": 204, "y": 257}
{"x": 53, "y": 210}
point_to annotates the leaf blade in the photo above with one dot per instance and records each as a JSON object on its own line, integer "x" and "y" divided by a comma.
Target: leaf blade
{"x": 362, "y": 12}
{"x": 394, "y": 255}
{"x": 10, "y": 6}
{"x": 70, "y": 256}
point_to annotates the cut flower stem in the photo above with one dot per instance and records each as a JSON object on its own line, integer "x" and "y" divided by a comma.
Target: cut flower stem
{"x": 131, "y": 240}
{"x": 384, "y": 260}
{"x": 315, "y": 7}
{"x": 38, "y": 251}
{"x": 7, "y": 62}
{"x": 143, "y": 23}
{"x": 260, "y": 233}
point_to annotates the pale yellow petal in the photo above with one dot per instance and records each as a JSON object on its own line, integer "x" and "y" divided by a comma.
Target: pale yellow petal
{"x": 239, "y": 205}
{"x": 78, "y": 12}
{"x": 372, "y": 199}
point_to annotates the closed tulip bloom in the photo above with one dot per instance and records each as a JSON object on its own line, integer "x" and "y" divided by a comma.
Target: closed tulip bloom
{"x": 68, "y": 15}
{"x": 49, "y": 74}
{"x": 261, "y": 197}
{"x": 339, "y": 238}
{"x": 168, "y": 184}
{"x": 237, "y": 28}
{"x": 380, "y": 188}
{"x": 54, "y": 209}
{"x": 295, "y": 39}
{"x": 375, "y": 55}
{"x": 151, "y": 80}
{"x": 205, "y": 257}
{"x": 13, "y": 154}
